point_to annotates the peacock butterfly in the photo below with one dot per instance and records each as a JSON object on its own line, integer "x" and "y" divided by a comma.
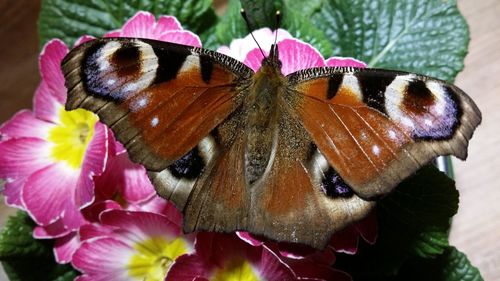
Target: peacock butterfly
{"x": 294, "y": 158}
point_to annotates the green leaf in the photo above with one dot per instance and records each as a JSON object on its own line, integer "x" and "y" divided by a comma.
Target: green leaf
{"x": 452, "y": 265}
{"x": 70, "y": 19}
{"x": 261, "y": 13}
{"x": 27, "y": 259}
{"x": 16, "y": 238}
{"x": 414, "y": 221}
{"x": 428, "y": 37}
{"x": 231, "y": 25}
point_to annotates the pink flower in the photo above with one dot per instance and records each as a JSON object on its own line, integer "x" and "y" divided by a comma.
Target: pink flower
{"x": 167, "y": 28}
{"x": 49, "y": 156}
{"x": 293, "y": 53}
{"x": 221, "y": 257}
{"x": 128, "y": 245}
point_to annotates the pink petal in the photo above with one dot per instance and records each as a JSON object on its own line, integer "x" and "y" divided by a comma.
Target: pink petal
{"x": 140, "y": 25}
{"x": 114, "y": 33}
{"x": 93, "y": 165}
{"x": 188, "y": 268}
{"x": 140, "y": 225}
{"x": 129, "y": 178}
{"x": 272, "y": 268}
{"x": 24, "y": 124}
{"x": 103, "y": 259}
{"x": 296, "y": 55}
{"x": 247, "y": 237}
{"x": 22, "y": 157}
{"x": 254, "y": 59}
{"x": 345, "y": 241}
{"x": 93, "y": 211}
{"x": 46, "y": 105}
{"x": 168, "y": 23}
{"x": 12, "y": 193}
{"x": 50, "y": 68}
{"x": 83, "y": 39}
{"x": 65, "y": 247}
{"x": 54, "y": 230}
{"x": 181, "y": 37}
{"x": 90, "y": 231}
{"x": 160, "y": 206}
{"x": 49, "y": 192}
{"x": 341, "y": 61}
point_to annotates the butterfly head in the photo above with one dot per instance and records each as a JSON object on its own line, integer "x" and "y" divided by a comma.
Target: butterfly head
{"x": 272, "y": 60}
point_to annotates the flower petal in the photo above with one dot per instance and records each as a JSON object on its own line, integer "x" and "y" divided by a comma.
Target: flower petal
{"x": 296, "y": 55}
{"x": 65, "y": 247}
{"x": 140, "y": 225}
{"x": 46, "y": 105}
{"x": 341, "y": 61}
{"x": 89, "y": 231}
{"x": 24, "y": 124}
{"x": 254, "y": 59}
{"x": 167, "y": 23}
{"x": 12, "y": 193}
{"x": 181, "y": 37}
{"x": 128, "y": 178}
{"x": 83, "y": 39}
{"x": 49, "y": 192}
{"x": 103, "y": 259}
{"x": 93, "y": 165}
{"x": 21, "y": 157}
{"x": 140, "y": 25}
{"x": 54, "y": 230}
{"x": 50, "y": 68}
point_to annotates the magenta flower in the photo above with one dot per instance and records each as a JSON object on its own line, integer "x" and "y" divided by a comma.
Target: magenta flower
{"x": 49, "y": 156}
{"x": 221, "y": 257}
{"x": 130, "y": 245}
{"x": 168, "y": 28}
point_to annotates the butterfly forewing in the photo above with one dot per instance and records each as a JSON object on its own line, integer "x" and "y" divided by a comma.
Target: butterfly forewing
{"x": 376, "y": 127}
{"x": 160, "y": 99}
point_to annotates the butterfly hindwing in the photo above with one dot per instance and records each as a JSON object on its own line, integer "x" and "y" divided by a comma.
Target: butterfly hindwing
{"x": 384, "y": 123}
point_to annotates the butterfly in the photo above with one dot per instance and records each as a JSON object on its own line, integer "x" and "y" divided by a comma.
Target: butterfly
{"x": 293, "y": 158}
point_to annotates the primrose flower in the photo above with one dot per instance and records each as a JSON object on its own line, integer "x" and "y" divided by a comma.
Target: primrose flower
{"x": 220, "y": 257}
{"x": 49, "y": 155}
{"x": 129, "y": 245}
{"x": 296, "y": 55}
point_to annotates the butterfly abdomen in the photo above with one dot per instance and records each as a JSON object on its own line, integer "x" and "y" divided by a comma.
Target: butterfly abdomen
{"x": 262, "y": 110}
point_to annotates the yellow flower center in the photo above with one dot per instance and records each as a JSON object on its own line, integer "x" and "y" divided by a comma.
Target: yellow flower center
{"x": 71, "y": 137}
{"x": 154, "y": 258}
{"x": 235, "y": 270}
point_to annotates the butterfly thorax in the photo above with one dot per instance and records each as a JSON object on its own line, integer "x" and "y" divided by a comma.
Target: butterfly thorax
{"x": 262, "y": 124}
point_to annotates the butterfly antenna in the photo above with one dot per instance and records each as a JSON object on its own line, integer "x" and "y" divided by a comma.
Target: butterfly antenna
{"x": 244, "y": 15}
{"x": 278, "y": 22}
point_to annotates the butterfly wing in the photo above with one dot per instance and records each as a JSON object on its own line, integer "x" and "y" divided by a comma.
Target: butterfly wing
{"x": 162, "y": 101}
{"x": 377, "y": 127}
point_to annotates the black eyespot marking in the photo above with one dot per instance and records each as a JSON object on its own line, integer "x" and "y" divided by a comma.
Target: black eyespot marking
{"x": 126, "y": 60}
{"x": 169, "y": 63}
{"x": 373, "y": 88}
{"x": 207, "y": 66}
{"x": 334, "y": 186}
{"x": 334, "y": 82}
{"x": 188, "y": 166}
{"x": 418, "y": 97}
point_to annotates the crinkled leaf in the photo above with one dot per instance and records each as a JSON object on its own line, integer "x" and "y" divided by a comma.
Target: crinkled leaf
{"x": 232, "y": 25}
{"x": 16, "y": 239}
{"x": 452, "y": 265}
{"x": 414, "y": 221}
{"x": 261, "y": 13}
{"x": 428, "y": 37}
{"x": 69, "y": 19}
{"x": 27, "y": 259}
